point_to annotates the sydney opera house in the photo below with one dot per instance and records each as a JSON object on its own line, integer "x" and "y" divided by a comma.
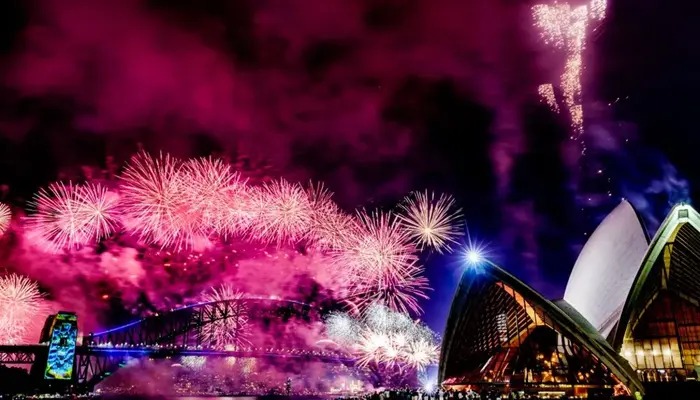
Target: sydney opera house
{"x": 629, "y": 320}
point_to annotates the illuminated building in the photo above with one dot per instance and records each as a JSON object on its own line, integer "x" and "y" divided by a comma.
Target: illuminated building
{"x": 659, "y": 329}
{"x": 63, "y": 338}
{"x": 606, "y": 267}
{"x": 502, "y": 335}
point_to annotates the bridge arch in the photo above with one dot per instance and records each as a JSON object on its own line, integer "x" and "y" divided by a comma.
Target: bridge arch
{"x": 185, "y": 326}
{"x": 184, "y": 331}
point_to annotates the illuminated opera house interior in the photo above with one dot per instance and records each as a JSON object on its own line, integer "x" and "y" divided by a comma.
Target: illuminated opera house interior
{"x": 630, "y": 317}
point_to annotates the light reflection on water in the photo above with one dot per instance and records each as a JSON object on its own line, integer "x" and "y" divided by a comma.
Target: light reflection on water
{"x": 220, "y": 398}
{"x": 213, "y": 397}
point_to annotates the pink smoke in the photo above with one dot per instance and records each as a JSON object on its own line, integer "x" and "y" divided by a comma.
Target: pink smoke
{"x": 130, "y": 67}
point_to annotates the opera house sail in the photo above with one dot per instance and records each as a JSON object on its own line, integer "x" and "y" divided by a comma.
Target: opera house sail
{"x": 502, "y": 335}
{"x": 606, "y": 268}
{"x": 659, "y": 329}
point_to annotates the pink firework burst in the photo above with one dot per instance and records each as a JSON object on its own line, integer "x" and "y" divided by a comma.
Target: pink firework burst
{"x": 379, "y": 248}
{"x": 398, "y": 291}
{"x": 215, "y": 192}
{"x": 5, "y": 218}
{"x": 155, "y": 201}
{"x": 98, "y": 210}
{"x": 58, "y": 221}
{"x": 431, "y": 221}
{"x": 330, "y": 228}
{"x": 20, "y": 304}
{"x": 229, "y": 315}
{"x": 284, "y": 213}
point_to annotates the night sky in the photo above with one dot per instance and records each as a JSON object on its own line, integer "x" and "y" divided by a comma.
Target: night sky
{"x": 375, "y": 98}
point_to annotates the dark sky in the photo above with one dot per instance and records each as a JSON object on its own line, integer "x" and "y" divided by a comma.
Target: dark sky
{"x": 376, "y": 98}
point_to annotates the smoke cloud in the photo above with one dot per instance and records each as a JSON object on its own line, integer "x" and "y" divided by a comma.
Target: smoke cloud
{"x": 264, "y": 77}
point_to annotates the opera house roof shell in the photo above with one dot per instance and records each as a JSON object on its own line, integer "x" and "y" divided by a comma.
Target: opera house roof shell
{"x": 606, "y": 267}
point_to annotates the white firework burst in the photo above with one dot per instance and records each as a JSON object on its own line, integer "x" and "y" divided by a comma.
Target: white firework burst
{"x": 431, "y": 221}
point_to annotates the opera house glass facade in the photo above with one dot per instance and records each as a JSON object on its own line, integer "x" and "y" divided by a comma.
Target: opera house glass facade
{"x": 630, "y": 316}
{"x": 659, "y": 327}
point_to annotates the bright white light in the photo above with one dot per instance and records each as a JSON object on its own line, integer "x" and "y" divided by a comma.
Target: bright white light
{"x": 473, "y": 257}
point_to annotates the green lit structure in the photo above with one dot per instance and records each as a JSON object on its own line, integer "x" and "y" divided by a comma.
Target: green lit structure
{"x": 659, "y": 328}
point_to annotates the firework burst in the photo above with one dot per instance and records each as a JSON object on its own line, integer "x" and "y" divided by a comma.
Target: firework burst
{"x": 386, "y": 338}
{"x": 229, "y": 312}
{"x": 98, "y": 210}
{"x": 58, "y": 221}
{"x": 330, "y": 227}
{"x": 214, "y": 192}
{"x": 284, "y": 212}
{"x": 430, "y": 221}
{"x": 5, "y": 218}
{"x": 20, "y": 303}
{"x": 155, "y": 201}
{"x": 377, "y": 259}
{"x": 380, "y": 247}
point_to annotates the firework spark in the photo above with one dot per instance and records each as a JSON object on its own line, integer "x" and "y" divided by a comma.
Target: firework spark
{"x": 430, "y": 221}
{"x": 381, "y": 246}
{"x": 330, "y": 227}
{"x": 229, "y": 313}
{"x": 546, "y": 91}
{"x": 564, "y": 27}
{"x": 20, "y": 303}
{"x": 384, "y": 337}
{"x": 214, "y": 192}
{"x": 5, "y": 218}
{"x": 284, "y": 212}
{"x": 399, "y": 292}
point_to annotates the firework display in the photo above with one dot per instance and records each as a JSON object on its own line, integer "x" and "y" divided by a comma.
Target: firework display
{"x": 20, "y": 302}
{"x": 384, "y": 337}
{"x": 180, "y": 206}
{"x": 155, "y": 201}
{"x": 171, "y": 226}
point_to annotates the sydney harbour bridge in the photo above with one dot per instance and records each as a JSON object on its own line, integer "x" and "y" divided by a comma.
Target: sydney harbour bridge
{"x": 177, "y": 333}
